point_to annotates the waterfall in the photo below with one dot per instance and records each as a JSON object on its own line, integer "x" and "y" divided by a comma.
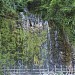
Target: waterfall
{"x": 51, "y": 51}
{"x": 32, "y": 20}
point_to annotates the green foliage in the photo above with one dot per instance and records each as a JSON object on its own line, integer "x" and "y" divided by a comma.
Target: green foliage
{"x": 11, "y": 7}
{"x": 18, "y": 44}
{"x": 32, "y": 46}
{"x": 7, "y": 43}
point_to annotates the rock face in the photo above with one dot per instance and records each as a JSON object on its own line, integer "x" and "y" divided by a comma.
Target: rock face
{"x": 59, "y": 49}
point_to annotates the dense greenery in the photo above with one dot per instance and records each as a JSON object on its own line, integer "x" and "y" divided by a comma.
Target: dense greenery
{"x": 17, "y": 44}
{"x": 14, "y": 41}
